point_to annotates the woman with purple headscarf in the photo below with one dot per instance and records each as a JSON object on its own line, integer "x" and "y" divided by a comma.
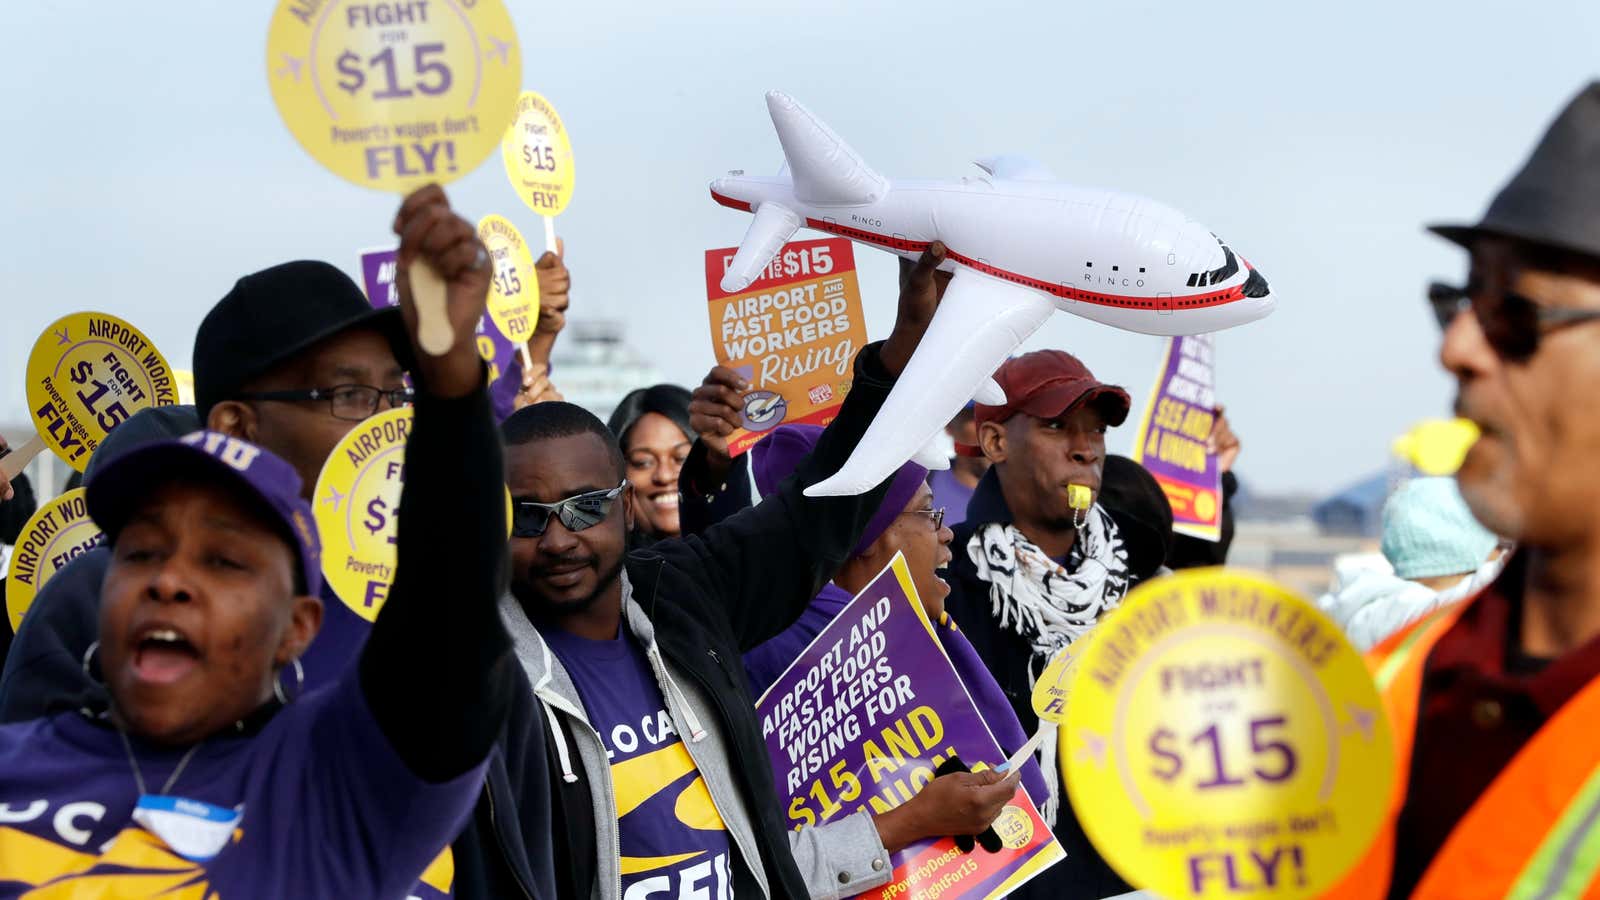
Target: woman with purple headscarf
{"x": 906, "y": 523}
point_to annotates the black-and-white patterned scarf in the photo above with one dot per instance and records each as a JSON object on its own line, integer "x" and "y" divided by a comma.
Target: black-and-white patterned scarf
{"x": 1048, "y": 604}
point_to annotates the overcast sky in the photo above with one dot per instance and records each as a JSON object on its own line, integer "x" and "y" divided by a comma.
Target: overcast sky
{"x": 149, "y": 169}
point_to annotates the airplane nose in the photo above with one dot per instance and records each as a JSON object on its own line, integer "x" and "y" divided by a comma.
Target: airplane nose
{"x": 1255, "y": 286}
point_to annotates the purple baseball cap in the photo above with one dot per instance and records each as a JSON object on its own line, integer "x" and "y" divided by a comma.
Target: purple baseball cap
{"x": 117, "y": 489}
{"x": 779, "y": 454}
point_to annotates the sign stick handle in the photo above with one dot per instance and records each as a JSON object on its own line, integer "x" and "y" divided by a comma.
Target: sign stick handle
{"x": 550, "y": 233}
{"x": 433, "y": 326}
{"x": 1014, "y": 764}
{"x": 14, "y": 462}
{"x": 527, "y": 358}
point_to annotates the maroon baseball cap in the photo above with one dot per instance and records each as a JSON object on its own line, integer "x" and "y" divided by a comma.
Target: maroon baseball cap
{"x": 1048, "y": 383}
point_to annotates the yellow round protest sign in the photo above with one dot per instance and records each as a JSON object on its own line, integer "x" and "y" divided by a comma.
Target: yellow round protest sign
{"x": 514, "y": 292}
{"x": 87, "y": 374}
{"x": 356, "y": 505}
{"x": 59, "y": 531}
{"x": 1054, "y": 685}
{"x": 1228, "y": 740}
{"x": 538, "y": 155}
{"x": 357, "y": 508}
{"x": 394, "y": 95}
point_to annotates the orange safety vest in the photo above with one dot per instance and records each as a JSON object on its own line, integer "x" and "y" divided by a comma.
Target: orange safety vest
{"x": 1535, "y": 831}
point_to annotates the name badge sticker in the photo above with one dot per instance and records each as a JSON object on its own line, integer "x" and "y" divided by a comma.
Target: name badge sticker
{"x": 194, "y": 829}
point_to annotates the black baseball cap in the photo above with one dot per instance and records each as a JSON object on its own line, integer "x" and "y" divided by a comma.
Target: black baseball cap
{"x": 274, "y": 314}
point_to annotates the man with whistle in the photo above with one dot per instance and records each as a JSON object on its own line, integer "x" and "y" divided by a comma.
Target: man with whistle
{"x": 1038, "y": 560}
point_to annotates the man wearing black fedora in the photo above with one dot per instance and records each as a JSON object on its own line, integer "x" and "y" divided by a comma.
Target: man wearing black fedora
{"x": 1495, "y": 701}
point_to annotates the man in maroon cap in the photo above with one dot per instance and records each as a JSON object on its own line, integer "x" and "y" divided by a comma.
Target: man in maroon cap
{"x": 1038, "y": 561}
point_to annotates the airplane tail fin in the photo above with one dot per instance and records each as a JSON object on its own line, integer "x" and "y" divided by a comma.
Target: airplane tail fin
{"x": 824, "y": 168}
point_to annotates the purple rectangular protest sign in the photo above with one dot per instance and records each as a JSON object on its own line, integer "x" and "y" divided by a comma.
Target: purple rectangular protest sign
{"x": 1173, "y": 433}
{"x": 863, "y": 718}
{"x": 378, "y": 278}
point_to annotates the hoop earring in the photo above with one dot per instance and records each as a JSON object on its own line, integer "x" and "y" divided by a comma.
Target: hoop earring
{"x": 88, "y": 662}
{"x": 299, "y": 684}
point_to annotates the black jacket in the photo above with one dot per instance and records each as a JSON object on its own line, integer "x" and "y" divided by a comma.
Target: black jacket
{"x": 713, "y": 595}
{"x": 1083, "y": 873}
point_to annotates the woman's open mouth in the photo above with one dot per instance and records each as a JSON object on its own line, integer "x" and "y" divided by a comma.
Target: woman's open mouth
{"x": 163, "y": 655}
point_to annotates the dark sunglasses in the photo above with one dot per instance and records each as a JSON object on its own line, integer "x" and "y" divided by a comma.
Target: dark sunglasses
{"x": 1511, "y": 323}
{"x": 529, "y": 518}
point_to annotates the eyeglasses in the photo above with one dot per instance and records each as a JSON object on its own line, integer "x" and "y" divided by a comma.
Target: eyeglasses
{"x": 350, "y": 402}
{"x": 529, "y": 518}
{"x": 937, "y": 515}
{"x": 1511, "y": 323}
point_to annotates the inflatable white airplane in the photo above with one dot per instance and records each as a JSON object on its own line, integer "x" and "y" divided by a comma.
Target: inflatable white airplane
{"x": 1021, "y": 246}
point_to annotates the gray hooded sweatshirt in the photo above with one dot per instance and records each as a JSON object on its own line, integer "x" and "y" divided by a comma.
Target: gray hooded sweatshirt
{"x": 839, "y": 859}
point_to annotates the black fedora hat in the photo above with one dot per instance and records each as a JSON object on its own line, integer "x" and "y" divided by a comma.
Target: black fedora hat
{"x": 1554, "y": 201}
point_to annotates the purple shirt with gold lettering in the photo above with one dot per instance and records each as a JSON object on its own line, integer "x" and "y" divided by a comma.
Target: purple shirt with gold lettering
{"x": 674, "y": 843}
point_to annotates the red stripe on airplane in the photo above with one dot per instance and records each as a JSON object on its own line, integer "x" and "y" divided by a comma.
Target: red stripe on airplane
{"x": 1119, "y": 301}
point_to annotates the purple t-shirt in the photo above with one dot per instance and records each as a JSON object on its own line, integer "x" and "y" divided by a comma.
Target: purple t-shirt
{"x": 950, "y": 494}
{"x": 328, "y": 809}
{"x": 766, "y": 661}
{"x": 674, "y": 842}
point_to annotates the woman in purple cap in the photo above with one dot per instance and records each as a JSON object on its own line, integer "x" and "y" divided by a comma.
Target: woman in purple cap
{"x": 209, "y": 775}
{"x": 907, "y": 523}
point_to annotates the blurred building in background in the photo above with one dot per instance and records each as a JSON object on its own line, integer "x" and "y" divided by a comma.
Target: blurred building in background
{"x": 594, "y": 366}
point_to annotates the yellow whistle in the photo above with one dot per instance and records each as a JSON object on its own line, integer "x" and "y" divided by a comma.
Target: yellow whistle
{"x": 1079, "y": 496}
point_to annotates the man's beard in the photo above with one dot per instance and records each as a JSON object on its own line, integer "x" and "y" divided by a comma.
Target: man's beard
{"x": 538, "y": 606}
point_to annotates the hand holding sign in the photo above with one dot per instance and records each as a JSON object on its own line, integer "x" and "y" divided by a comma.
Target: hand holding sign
{"x": 555, "y": 284}
{"x": 714, "y": 413}
{"x": 431, "y": 232}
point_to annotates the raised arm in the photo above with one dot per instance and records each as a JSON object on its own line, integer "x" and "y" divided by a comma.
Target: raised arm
{"x": 436, "y": 670}
{"x": 767, "y": 562}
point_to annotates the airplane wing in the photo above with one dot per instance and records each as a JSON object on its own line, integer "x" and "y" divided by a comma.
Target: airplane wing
{"x": 979, "y": 323}
{"x": 771, "y": 228}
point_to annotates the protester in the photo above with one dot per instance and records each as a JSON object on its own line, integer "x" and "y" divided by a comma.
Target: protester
{"x": 1032, "y": 573}
{"x": 212, "y": 769}
{"x": 953, "y": 487}
{"x": 555, "y": 285}
{"x": 1493, "y": 701}
{"x": 652, "y": 426}
{"x": 1136, "y": 502}
{"x": 291, "y": 359}
{"x": 900, "y": 525}
{"x": 44, "y": 666}
{"x": 629, "y": 651}
{"x": 1189, "y": 552}
{"x": 1437, "y": 553}
{"x": 14, "y": 514}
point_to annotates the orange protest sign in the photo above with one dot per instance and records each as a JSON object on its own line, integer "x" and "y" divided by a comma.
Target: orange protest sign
{"x": 792, "y": 334}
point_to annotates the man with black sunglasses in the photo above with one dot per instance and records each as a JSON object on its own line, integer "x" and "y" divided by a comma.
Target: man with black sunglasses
{"x": 658, "y": 766}
{"x": 1494, "y": 701}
